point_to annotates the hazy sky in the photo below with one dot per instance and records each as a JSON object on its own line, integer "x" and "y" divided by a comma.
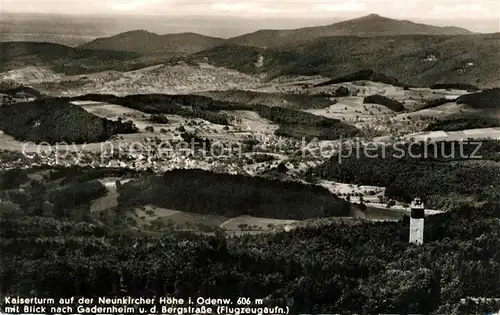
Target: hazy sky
{"x": 437, "y": 9}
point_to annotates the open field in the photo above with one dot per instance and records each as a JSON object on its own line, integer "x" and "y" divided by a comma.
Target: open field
{"x": 157, "y": 219}
{"x": 151, "y": 220}
{"x": 254, "y": 223}
{"x": 351, "y": 109}
{"x": 252, "y": 122}
{"x": 342, "y": 189}
{"x": 484, "y": 133}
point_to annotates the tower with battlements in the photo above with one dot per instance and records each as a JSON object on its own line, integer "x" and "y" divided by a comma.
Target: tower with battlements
{"x": 417, "y": 221}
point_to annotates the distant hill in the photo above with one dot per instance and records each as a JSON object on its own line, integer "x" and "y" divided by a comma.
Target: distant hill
{"x": 370, "y": 25}
{"x": 417, "y": 60}
{"x": 145, "y": 42}
{"x": 60, "y": 58}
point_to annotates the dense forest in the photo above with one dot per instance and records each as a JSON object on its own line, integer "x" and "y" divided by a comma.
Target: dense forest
{"x": 69, "y": 201}
{"x": 57, "y": 120}
{"x": 443, "y": 173}
{"x": 366, "y": 268}
{"x": 455, "y": 86}
{"x": 464, "y": 122}
{"x": 231, "y": 195}
{"x": 385, "y": 101}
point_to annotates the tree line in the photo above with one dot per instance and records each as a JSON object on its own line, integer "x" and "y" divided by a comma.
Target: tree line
{"x": 385, "y": 101}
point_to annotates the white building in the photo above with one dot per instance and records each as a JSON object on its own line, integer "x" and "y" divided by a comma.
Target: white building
{"x": 417, "y": 222}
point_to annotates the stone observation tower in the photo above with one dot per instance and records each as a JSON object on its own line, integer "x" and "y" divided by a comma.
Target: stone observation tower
{"x": 417, "y": 221}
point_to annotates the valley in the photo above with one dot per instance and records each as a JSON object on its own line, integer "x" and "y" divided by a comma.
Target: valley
{"x": 281, "y": 165}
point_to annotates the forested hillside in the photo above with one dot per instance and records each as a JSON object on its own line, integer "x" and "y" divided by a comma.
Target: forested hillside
{"x": 60, "y": 58}
{"x": 317, "y": 268}
{"x": 231, "y": 195}
{"x": 413, "y": 60}
{"x": 468, "y": 59}
{"x": 328, "y": 269}
{"x": 57, "y": 120}
{"x": 487, "y": 99}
